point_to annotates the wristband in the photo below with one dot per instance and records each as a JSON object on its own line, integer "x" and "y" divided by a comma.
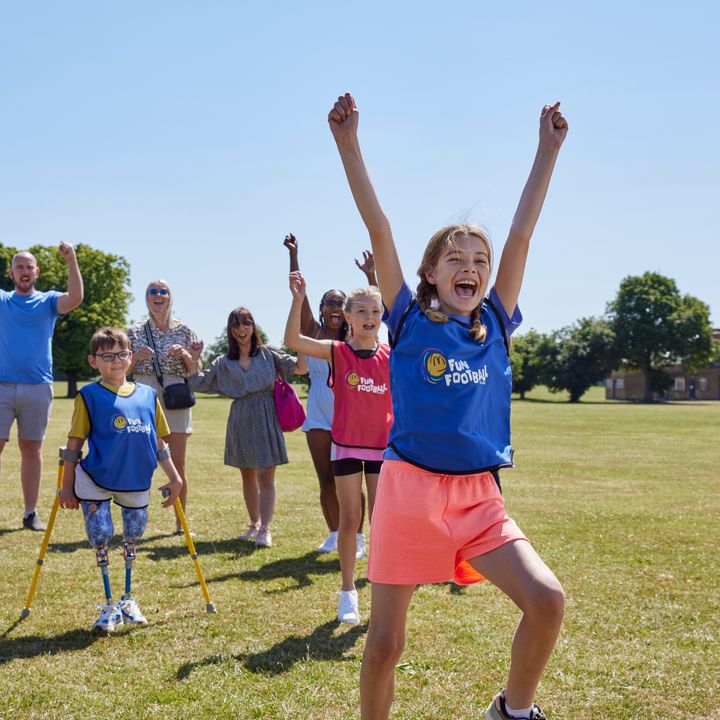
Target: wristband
{"x": 164, "y": 454}
{"x": 71, "y": 455}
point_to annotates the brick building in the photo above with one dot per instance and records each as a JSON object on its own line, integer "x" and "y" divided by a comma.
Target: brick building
{"x": 700, "y": 384}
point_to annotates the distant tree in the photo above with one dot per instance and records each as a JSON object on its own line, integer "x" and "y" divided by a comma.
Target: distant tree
{"x": 525, "y": 361}
{"x": 656, "y": 326}
{"x": 106, "y": 279}
{"x": 577, "y": 357}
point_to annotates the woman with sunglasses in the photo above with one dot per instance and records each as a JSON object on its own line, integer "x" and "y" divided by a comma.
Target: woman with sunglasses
{"x": 173, "y": 342}
{"x": 254, "y": 442}
{"x": 330, "y": 325}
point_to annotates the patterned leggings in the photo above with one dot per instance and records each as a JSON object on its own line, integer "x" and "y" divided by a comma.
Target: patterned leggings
{"x": 99, "y": 524}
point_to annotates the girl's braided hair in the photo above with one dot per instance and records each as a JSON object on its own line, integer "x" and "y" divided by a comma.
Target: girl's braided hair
{"x": 427, "y": 298}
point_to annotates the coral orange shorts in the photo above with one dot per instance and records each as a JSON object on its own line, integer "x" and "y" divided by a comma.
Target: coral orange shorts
{"x": 426, "y": 526}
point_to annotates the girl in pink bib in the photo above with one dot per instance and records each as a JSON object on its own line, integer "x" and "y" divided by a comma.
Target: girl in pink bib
{"x": 360, "y": 379}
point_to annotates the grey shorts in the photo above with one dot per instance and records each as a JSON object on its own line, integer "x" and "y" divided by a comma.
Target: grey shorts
{"x": 29, "y": 403}
{"x": 179, "y": 421}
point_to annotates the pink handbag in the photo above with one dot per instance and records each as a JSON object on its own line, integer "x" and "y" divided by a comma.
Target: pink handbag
{"x": 290, "y": 410}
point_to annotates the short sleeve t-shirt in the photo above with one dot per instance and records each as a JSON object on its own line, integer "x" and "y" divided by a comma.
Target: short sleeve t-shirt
{"x": 26, "y": 329}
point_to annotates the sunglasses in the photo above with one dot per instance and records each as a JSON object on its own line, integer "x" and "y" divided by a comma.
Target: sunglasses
{"x": 109, "y": 356}
{"x": 334, "y": 303}
{"x": 158, "y": 291}
{"x": 246, "y": 323}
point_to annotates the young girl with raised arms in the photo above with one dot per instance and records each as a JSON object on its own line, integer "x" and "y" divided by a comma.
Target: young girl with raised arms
{"x": 330, "y": 325}
{"x": 362, "y": 415}
{"x": 439, "y": 514}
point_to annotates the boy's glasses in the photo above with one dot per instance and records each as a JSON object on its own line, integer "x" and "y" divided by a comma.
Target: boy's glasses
{"x": 158, "y": 291}
{"x": 109, "y": 357}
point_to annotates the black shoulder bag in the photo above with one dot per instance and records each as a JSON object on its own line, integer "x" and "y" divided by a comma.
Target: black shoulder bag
{"x": 178, "y": 396}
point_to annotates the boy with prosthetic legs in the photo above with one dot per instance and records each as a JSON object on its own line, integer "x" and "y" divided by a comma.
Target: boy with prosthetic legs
{"x": 124, "y": 426}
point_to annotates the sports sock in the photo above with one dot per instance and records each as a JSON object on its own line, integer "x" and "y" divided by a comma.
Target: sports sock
{"x": 522, "y": 713}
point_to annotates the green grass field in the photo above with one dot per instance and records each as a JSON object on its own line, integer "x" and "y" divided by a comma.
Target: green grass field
{"x": 620, "y": 500}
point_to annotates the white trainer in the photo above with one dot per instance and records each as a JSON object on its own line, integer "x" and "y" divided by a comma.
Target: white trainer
{"x": 251, "y": 532}
{"x": 263, "y": 537}
{"x": 348, "y": 607}
{"x": 361, "y": 550}
{"x": 330, "y": 544}
{"x": 131, "y": 612}
{"x": 109, "y": 618}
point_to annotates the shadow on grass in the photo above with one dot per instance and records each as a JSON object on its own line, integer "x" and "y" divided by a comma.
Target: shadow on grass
{"x": 178, "y": 548}
{"x": 321, "y": 644}
{"x": 231, "y": 546}
{"x": 84, "y": 544}
{"x": 34, "y": 645}
{"x": 7, "y": 531}
{"x": 300, "y": 569}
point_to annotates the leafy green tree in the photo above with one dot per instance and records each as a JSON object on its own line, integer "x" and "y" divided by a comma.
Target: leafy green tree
{"x": 656, "y": 326}
{"x": 525, "y": 361}
{"x": 578, "y": 356}
{"x": 106, "y": 279}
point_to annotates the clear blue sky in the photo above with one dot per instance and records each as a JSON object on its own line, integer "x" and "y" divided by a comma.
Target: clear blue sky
{"x": 190, "y": 137}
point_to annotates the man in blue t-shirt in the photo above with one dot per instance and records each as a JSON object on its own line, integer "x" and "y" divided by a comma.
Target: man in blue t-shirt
{"x": 27, "y": 320}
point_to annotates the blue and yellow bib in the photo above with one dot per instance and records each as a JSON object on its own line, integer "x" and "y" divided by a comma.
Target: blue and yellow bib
{"x": 122, "y": 444}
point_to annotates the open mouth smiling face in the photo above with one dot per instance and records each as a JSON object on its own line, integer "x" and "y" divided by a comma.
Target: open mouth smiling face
{"x": 461, "y": 275}
{"x": 332, "y": 310}
{"x": 364, "y": 319}
{"x": 158, "y": 298}
{"x": 242, "y": 332}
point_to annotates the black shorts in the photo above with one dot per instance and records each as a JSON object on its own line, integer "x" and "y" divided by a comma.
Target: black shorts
{"x": 350, "y": 466}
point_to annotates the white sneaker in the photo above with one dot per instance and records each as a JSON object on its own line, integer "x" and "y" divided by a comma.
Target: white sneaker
{"x": 497, "y": 711}
{"x": 348, "y": 607}
{"x": 251, "y": 532}
{"x": 263, "y": 537}
{"x": 131, "y": 612}
{"x": 361, "y": 550}
{"x": 330, "y": 544}
{"x": 109, "y": 618}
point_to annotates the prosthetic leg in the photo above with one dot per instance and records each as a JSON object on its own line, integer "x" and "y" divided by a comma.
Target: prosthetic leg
{"x": 100, "y": 529}
{"x": 103, "y": 562}
{"x": 98, "y": 522}
{"x": 134, "y": 524}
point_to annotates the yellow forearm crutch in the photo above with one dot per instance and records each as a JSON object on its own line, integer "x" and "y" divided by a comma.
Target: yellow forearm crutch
{"x": 209, "y": 605}
{"x": 46, "y": 539}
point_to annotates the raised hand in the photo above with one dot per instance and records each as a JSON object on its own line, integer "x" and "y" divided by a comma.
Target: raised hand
{"x": 297, "y": 285}
{"x": 553, "y": 125}
{"x": 343, "y": 118}
{"x": 368, "y": 263}
{"x": 67, "y": 251}
{"x": 291, "y": 243}
{"x": 196, "y": 349}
